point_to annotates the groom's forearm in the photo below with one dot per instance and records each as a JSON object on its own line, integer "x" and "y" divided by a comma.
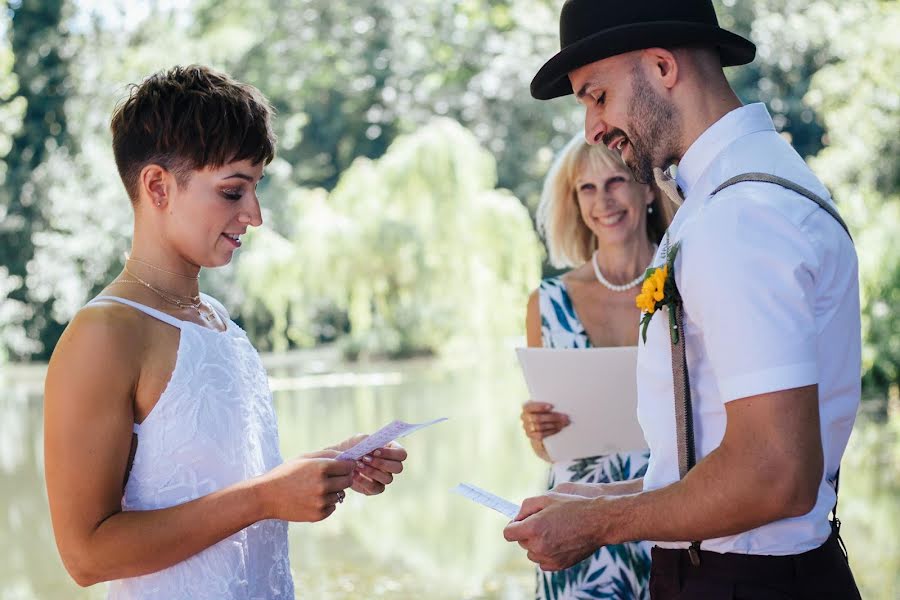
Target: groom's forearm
{"x": 708, "y": 503}
{"x": 768, "y": 467}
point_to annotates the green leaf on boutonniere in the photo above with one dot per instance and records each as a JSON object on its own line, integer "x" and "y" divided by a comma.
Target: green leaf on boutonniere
{"x": 645, "y": 321}
{"x": 672, "y": 295}
{"x": 670, "y": 289}
{"x": 673, "y": 252}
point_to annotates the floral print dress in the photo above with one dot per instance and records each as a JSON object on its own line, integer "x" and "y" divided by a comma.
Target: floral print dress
{"x": 619, "y": 572}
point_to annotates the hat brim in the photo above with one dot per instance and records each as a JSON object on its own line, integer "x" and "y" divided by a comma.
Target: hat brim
{"x": 552, "y": 80}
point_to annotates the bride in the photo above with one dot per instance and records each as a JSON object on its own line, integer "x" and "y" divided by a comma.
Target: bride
{"x": 162, "y": 462}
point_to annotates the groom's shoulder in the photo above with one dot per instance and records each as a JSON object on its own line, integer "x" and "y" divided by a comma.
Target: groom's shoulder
{"x": 749, "y": 202}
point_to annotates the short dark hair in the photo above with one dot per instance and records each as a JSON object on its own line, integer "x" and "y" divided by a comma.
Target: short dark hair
{"x": 189, "y": 118}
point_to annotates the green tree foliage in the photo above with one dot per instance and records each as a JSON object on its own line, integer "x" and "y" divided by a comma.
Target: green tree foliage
{"x": 859, "y": 96}
{"x": 36, "y": 89}
{"x": 418, "y": 248}
{"x": 348, "y": 81}
{"x": 792, "y": 39}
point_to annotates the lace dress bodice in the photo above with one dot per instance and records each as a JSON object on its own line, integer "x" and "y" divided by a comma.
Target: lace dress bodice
{"x": 213, "y": 426}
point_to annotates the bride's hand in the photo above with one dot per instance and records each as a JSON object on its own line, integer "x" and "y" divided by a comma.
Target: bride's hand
{"x": 376, "y": 470}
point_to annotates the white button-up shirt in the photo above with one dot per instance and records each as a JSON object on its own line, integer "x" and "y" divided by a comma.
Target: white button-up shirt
{"x": 771, "y": 300}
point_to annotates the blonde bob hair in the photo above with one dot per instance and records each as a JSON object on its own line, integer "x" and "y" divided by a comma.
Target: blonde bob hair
{"x": 570, "y": 242}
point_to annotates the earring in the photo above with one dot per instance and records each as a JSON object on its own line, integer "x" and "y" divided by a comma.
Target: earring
{"x": 158, "y": 203}
{"x": 649, "y": 209}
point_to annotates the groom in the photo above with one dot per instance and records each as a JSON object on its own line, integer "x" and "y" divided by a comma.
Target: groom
{"x": 771, "y": 323}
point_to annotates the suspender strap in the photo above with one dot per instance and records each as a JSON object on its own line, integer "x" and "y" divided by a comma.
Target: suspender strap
{"x": 786, "y": 183}
{"x": 684, "y": 416}
{"x": 684, "y": 411}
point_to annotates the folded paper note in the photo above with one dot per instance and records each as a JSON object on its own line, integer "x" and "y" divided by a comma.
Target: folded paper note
{"x": 382, "y": 437}
{"x": 476, "y": 494}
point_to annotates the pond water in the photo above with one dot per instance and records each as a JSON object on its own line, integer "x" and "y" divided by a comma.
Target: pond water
{"x": 417, "y": 540}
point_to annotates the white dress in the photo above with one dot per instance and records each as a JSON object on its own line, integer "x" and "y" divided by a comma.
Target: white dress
{"x": 213, "y": 426}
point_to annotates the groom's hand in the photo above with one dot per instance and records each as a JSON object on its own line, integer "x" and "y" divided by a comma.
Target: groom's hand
{"x": 555, "y": 530}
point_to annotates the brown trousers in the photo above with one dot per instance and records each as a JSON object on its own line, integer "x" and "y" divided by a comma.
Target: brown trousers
{"x": 820, "y": 574}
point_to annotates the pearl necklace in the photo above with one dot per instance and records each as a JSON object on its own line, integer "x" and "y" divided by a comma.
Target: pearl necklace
{"x": 612, "y": 286}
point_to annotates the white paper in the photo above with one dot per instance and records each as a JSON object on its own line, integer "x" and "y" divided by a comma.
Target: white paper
{"x": 597, "y": 388}
{"x": 382, "y": 437}
{"x": 476, "y": 494}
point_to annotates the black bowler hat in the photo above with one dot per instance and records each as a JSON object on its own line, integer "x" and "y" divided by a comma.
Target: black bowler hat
{"x": 591, "y": 30}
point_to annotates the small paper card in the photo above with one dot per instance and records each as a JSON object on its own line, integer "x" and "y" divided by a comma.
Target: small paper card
{"x": 476, "y": 494}
{"x": 382, "y": 437}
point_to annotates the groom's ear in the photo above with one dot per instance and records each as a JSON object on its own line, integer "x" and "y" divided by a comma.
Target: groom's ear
{"x": 661, "y": 66}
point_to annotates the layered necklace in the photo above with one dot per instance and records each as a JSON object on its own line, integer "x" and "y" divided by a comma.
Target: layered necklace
{"x": 182, "y": 302}
{"x": 615, "y": 287}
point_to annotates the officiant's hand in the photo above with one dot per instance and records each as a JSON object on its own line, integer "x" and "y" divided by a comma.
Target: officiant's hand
{"x": 376, "y": 470}
{"x": 595, "y": 490}
{"x": 540, "y": 421}
{"x": 588, "y": 490}
{"x": 557, "y": 530}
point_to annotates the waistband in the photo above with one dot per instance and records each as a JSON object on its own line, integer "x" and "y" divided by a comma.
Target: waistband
{"x": 747, "y": 567}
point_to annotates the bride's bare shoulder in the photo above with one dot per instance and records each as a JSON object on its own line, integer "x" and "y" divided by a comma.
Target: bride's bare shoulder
{"x": 103, "y": 333}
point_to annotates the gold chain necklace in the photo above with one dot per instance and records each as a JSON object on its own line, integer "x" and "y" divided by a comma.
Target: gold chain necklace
{"x": 192, "y": 302}
{"x": 152, "y": 266}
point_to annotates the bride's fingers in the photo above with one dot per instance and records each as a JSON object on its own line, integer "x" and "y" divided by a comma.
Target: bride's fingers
{"x": 392, "y": 451}
{"x": 382, "y": 464}
{"x": 374, "y": 474}
{"x": 364, "y": 485}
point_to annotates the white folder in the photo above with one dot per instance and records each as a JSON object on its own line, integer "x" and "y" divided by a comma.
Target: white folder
{"x": 597, "y": 388}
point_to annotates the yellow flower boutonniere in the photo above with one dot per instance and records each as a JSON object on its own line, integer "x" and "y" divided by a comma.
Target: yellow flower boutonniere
{"x": 659, "y": 290}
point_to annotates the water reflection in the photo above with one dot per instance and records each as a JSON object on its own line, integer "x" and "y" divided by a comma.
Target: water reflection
{"x": 418, "y": 540}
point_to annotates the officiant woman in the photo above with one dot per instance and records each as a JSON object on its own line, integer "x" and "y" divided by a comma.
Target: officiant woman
{"x": 603, "y": 225}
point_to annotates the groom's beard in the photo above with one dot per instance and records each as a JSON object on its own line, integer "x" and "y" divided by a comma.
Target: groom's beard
{"x": 655, "y": 129}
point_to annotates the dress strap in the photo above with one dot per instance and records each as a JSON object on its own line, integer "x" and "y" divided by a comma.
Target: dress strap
{"x": 156, "y": 314}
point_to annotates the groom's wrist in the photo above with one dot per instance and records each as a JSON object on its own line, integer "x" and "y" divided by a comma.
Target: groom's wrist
{"x": 613, "y": 519}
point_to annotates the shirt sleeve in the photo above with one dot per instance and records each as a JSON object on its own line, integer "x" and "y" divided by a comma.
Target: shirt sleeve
{"x": 747, "y": 278}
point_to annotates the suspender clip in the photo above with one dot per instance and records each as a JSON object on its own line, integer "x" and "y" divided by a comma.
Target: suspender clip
{"x": 694, "y": 553}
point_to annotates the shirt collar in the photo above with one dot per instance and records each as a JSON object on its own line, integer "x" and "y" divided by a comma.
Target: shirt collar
{"x": 737, "y": 123}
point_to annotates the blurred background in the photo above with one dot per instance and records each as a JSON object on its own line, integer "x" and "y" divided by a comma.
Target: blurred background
{"x": 390, "y": 277}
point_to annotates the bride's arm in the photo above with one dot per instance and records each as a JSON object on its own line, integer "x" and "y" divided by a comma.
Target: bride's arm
{"x": 88, "y": 417}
